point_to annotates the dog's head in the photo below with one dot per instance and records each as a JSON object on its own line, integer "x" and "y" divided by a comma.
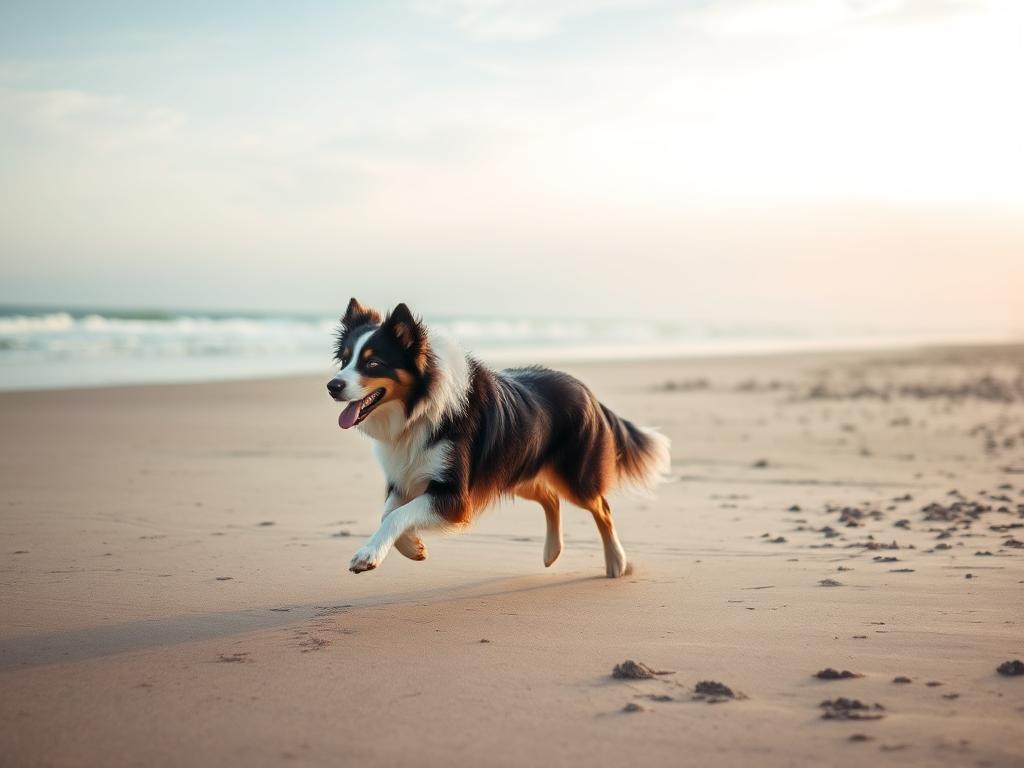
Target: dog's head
{"x": 384, "y": 364}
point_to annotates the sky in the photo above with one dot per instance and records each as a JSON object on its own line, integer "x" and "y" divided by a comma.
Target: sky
{"x": 787, "y": 161}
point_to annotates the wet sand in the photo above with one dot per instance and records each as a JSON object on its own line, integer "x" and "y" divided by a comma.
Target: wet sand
{"x": 174, "y": 585}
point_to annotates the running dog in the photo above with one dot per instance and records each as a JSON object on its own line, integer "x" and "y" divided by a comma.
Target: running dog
{"x": 453, "y": 436}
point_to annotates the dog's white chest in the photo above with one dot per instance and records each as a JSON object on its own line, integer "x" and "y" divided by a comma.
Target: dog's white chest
{"x": 410, "y": 465}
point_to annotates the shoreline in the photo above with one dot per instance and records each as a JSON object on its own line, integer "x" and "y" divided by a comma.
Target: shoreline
{"x": 540, "y": 356}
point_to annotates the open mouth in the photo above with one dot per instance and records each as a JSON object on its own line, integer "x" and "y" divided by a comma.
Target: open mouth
{"x": 357, "y": 410}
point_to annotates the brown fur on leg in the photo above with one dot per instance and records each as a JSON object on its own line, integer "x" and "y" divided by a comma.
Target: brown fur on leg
{"x": 548, "y": 499}
{"x": 614, "y": 555}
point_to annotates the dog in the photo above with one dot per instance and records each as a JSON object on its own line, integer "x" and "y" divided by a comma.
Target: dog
{"x": 453, "y": 436}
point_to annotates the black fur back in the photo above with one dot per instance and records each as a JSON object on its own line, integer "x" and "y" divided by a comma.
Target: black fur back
{"x": 524, "y": 422}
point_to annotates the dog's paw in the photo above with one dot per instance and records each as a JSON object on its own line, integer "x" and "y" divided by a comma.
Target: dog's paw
{"x": 412, "y": 547}
{"x": 615, "y": 563}
{"x": 363, "y": 560}
{"x": 552, "y": 549}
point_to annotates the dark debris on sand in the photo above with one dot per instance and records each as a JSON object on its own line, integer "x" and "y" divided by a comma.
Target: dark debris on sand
{"x": 1011, "y": 668}
{"x": 902, "y": 679}
{"x": 850, "y": 709}
{"x": 659, "y": 697}
{"x": 713, "y": 688}
{"x": 834, "y": 674}
{"x": 714, "y": 692}
{"x": 871, "y": 545}
{"x": 985, "y": 387}
{"x": 853, "y": 517}
{"x": 233, "y": 658}
{"x": 684, "y": 385}
{"x": 957, "y": 512}
{"x": 635, "y": 670}
{"x": 950, "y": 517}
{"x": 313, "y": 644}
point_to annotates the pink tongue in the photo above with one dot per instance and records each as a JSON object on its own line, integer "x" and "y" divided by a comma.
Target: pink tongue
{"x": 350, "y": 415}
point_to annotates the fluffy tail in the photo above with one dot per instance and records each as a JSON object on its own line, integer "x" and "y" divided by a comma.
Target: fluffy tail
{"x": 642, "y": 453}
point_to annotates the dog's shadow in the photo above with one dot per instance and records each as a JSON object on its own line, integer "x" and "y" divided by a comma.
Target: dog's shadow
{"x": 93, "y": 642}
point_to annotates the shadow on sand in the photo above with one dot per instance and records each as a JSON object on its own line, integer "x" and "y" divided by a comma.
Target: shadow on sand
{"x": 93, "y": 642}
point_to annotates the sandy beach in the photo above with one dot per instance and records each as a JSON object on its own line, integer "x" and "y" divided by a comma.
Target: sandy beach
{"x": 174, "y": 592}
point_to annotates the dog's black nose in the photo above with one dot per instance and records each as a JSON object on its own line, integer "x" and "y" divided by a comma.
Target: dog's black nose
{"x": 335, "y": 387}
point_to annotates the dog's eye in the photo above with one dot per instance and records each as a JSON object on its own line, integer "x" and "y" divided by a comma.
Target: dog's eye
{"x": 373, "y": 363}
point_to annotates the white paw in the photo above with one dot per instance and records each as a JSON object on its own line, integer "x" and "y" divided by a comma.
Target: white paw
{"x": 615, "y": 563}
{"x": 364, "y": 560}
{"x": 552, "y": 549}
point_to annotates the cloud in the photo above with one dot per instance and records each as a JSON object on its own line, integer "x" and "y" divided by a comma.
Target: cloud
{"x": 902, "y": 11}
{"x": 514, "y": 19}
{"x": 438, "y": 154}
{"x": 781, "y": 20}
{"x": 86, "y": 121}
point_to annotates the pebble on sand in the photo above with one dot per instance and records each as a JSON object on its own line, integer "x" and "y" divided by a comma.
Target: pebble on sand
{"x": 1011, "y": 668}
{"x": 850, "y": 709}
{"x": 834, "y": 674}
{"x": 714, "y": 692}
{"x": 635, "y": 670}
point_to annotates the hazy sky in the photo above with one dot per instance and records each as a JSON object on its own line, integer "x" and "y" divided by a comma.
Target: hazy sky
{"x": 730, "y": 160}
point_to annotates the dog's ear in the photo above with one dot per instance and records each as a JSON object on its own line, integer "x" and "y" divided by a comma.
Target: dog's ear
{"x": 357, "y": 315}
{"x": 409, "y": 332}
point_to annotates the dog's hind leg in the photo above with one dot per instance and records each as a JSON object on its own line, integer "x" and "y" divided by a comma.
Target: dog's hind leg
{"x": 614, "y": 554}
{"x": 548, "y": 499}
{"x": 553, "y": 537}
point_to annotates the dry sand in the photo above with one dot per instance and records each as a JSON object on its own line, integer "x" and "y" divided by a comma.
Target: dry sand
{"x": 174, "y": 590}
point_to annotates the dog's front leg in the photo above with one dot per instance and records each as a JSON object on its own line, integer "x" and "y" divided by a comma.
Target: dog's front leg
{"x": 419, "y": 513}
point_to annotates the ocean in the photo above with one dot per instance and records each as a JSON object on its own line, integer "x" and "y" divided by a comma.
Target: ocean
{"x": 53, "y": 348}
